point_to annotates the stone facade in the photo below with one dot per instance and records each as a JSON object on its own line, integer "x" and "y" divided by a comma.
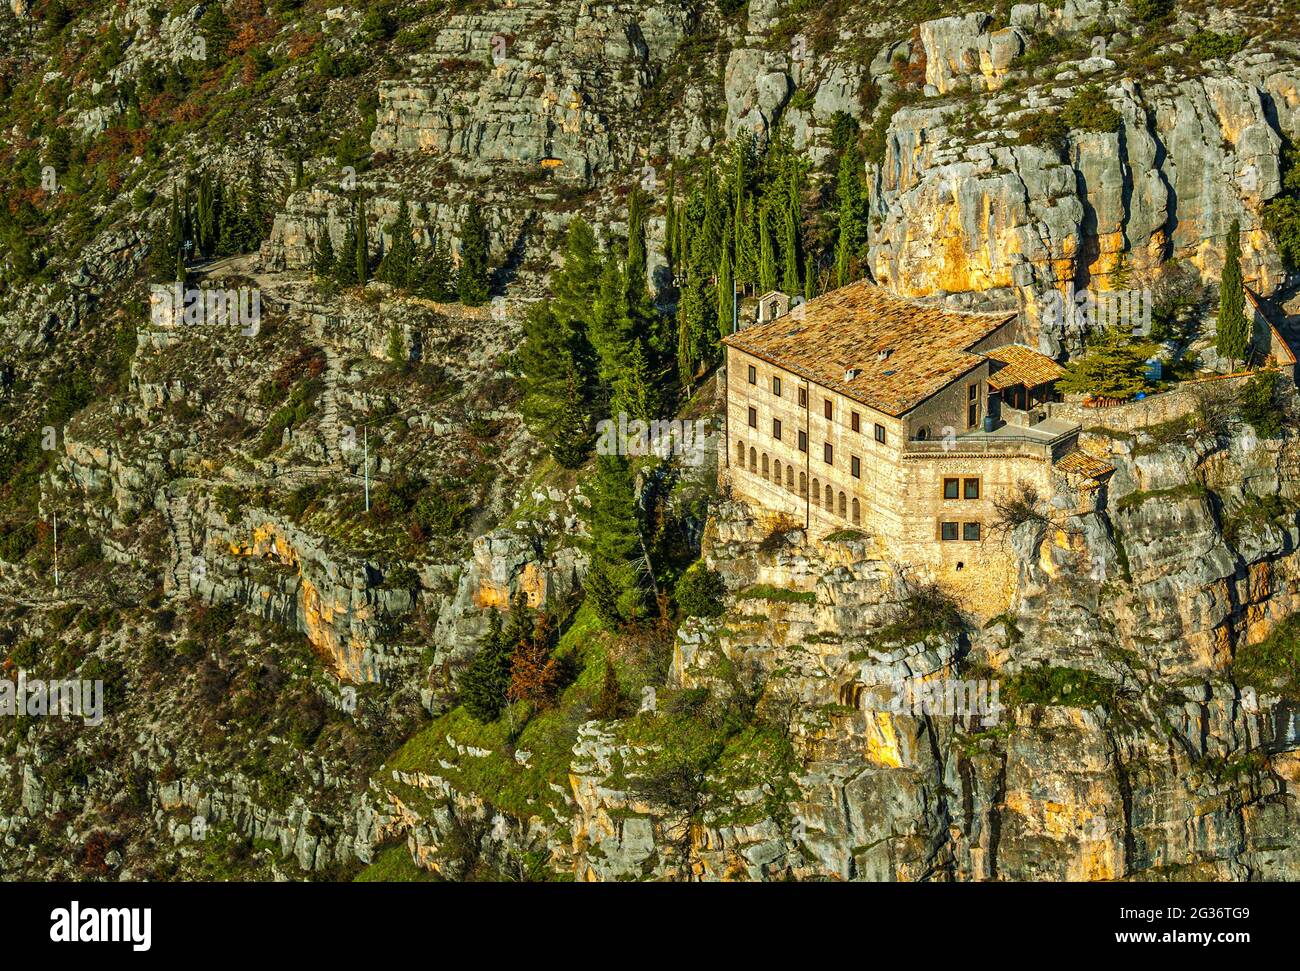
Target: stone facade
{"x": 880, "y": 478}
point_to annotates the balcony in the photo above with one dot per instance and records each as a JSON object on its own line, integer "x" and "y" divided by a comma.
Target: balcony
{"x": 1045, "y": 439}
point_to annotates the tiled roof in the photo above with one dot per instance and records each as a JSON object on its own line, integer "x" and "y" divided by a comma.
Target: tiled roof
{"x": 902, "y": 352}
{"x": 1079, "y": 462}
{"x": 1023, "y": 366}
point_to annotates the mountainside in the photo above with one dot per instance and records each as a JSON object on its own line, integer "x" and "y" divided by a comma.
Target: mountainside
{"x": 290, "y": 544}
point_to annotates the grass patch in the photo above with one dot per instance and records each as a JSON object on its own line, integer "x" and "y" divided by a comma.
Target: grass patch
{"x": 393, "y": 864}
{"x": 764, "y": 591}
{"x": 1068, "y": 687}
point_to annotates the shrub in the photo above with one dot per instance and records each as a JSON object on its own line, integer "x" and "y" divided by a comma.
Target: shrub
{"x": 700, "y": 591}
{"x": 1149, "y": 11}
{"x": 1070, "y": 687}
{"x": 1088, "y": 110}
{"x": 1260, "y": 407}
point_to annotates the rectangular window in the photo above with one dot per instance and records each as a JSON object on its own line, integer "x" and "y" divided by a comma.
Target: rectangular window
{"x": 880, "y": 434}
{"x": 803, "y": 397}
{"x": 972, "y": 405}
{"x": 855, "y": 467}
{"x": 948, "y": 532}
{"x": 753, "y": 417}
{"x": 952, "y": 488}
{"x": 776, "y": 386}
{"x": 971, "y": 489}
{"x": 803, "y": 442}
{"x": 753, "y": 374}
{"x": 828, "y": 409}
{"x": 776, "y": 428}
{"x": 970, "y": 532}
{"x": 857, "y": 422}
{"x": 828, "y": 454}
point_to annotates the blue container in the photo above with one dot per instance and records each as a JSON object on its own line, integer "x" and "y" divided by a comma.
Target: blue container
{"x": 988, "y": 423}
{"x": 1155, "y": 368}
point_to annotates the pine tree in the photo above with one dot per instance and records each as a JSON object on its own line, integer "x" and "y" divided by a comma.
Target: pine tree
{"x": 324, "y": 262}
{"x": 698, "y": 328}
{"x": 611, "y": 704}
{"x": 1114, "y": 366}
{"x": 612, "y": 331}
{"x": 484, "y": 684}
{"x": 634, "y": 390}
{"x": 346, "y": 268}
{"x": 398, "y": 266}
{"x": 618, "y": 562}
{"x": 362, "y": 251}
{"x": 1232, "y": 338}
{"x": 571, "y": 434}
{"x": 473, "y": 282}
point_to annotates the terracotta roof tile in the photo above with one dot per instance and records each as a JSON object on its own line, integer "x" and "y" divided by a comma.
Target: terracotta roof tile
{"x": 1023, "y": 366}
{"x": 902, "y": 352}
{"x": 1079, "y": 462}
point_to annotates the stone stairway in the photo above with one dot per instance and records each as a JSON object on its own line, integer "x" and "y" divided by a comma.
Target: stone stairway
{"x": 177, "y": 581}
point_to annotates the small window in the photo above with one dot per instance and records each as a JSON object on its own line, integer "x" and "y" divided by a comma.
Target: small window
{"x": 753, "y": 374}
{"x": 970, "y": 532}
{"x": 855, "y": 467}
{"x": 971, "y": 391}
{"x": 803, "y": 397}
{"x": 880, "y": 434}
{"x": 776, "y": 428}
{"x": 776, "y": 386}
{"x": 753, "y": 417}
{"x": 948, "y": 532}
{"x": 828, "y": 409}
{"x": 803, "y": 442}
{"x": 828, "y": 454}
{"x": 971, "y": 489}
{"x": 952, "y": 488}
{"x": 856, "y": 421}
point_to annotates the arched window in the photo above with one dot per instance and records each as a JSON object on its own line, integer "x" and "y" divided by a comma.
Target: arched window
{"x": 816, "y": 492}
{"x": 803, "y": 485}
{"x": 765, "y": 469}
{"x": 776, "y": 471}
{"x": 753, "y": 460}
{"x": 789, "y": 477}
{"x": 844, "y": 506}
{"x": 740, "y": 453}
{"x": 857, "y": 513}
{"x": 830, "y": 498}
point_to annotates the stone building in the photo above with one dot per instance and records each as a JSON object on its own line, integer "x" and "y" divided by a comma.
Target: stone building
{"x": 859, "y": 410}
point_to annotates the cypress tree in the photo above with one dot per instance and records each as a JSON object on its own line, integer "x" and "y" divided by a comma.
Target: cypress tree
{"x": 790, "y": 236}
{"x": 766, "y": 254}
{"x": 809, "y": 277}
{"x": 726, "y": 295}
{"x": 634, "y": 391}
{"x": 1232, "y": 338}
{"x": 852, "y": 216}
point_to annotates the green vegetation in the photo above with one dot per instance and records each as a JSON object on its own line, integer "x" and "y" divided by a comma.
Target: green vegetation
{"x": 1261, "y": 404}
{"x": 1071, "y": 687}
{"x": 1232, "y": 334}
{"x": 700, "y": 591}
{"x": 1272, "y": 665}
{"x": 762, "y": 591}
{"x": 1114, "y": 366}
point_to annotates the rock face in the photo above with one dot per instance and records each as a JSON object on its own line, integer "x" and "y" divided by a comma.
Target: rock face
{"x": 963, "y": 51}
{"x": 989, "y": 221}
{"x": 533, "y": 85}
